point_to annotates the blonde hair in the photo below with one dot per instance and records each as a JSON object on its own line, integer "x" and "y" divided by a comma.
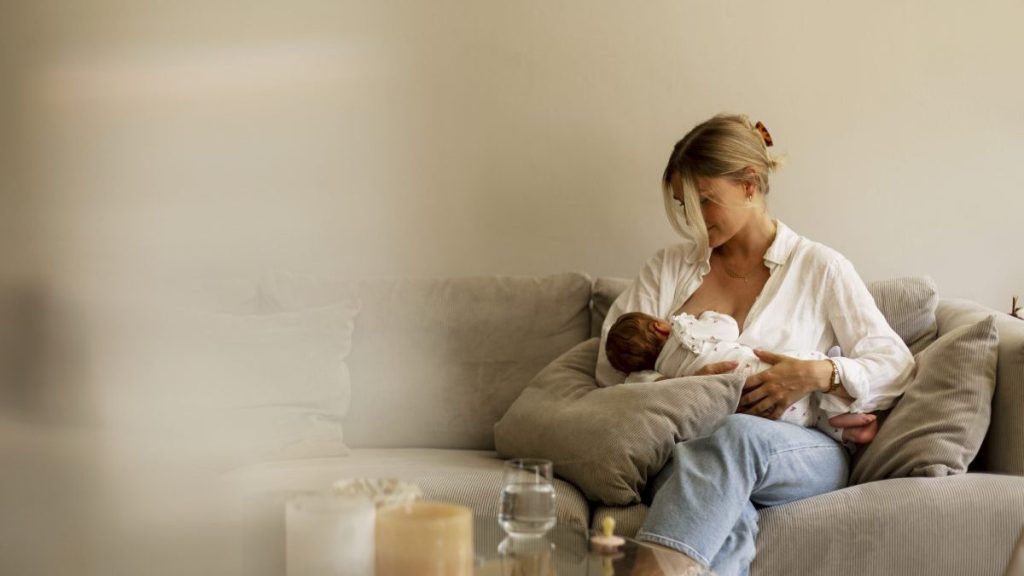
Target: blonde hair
{"x": 726, "y": 146}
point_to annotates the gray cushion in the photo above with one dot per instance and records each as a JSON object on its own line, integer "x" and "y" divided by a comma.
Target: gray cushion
{"x": 908, "y": 305}
{"x": 938, "y": 425}
{"x": 609, "y": 441}
{"x": 605, "y": 291}
{"x": 1003, "y": 449}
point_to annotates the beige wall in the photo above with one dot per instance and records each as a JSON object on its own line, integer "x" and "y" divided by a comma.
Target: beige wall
{"x": 394, "y": 138}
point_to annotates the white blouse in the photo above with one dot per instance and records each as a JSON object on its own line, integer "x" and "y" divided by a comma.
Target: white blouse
{"x": 813, "y": 300}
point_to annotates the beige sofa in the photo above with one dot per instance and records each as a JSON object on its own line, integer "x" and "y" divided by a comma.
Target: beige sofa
{"x": 435, "y": 363}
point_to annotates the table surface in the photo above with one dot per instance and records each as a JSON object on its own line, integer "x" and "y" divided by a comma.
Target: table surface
{"x": 565, "y": 551}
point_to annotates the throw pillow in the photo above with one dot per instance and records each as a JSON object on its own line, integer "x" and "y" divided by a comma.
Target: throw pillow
{"x": 938, "y": 425}
{"x": 609, "y": 441}
{"x": 908, "y": 305}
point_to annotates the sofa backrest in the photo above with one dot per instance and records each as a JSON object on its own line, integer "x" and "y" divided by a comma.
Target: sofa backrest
{"x": 436, "y": 362}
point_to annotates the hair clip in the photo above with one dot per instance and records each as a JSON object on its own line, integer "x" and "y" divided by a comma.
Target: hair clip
{"x": 764, "y": 133}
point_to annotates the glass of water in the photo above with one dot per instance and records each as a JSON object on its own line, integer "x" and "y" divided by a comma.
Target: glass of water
{"x": 527, "y": 497}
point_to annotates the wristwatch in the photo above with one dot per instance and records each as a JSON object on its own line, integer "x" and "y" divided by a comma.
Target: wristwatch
{"x": 837, "y": 383}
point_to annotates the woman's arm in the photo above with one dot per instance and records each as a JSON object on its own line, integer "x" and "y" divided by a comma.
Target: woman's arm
{"x": 876, "y": 364}
{"x": 874, "y": 371}
{"x": 769, "y": 393}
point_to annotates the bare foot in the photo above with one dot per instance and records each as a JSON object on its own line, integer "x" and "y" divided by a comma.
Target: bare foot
{"x": 857, "y": 428}
{"x": 657, "y": 560}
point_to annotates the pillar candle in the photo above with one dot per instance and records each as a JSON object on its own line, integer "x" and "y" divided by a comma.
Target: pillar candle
{"x": 426, "y": 539}
{"x": 330, "y": 535}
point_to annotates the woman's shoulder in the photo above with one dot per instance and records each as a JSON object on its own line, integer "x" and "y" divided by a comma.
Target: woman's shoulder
{"x": 814, "y": 253}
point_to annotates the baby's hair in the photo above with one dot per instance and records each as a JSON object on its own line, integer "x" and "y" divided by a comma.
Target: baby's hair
{"x": 630, "y": 345}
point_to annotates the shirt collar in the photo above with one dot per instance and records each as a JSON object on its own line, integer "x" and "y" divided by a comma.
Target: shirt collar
{"x": 781, "y": 247}
{"x": 777, "y": 255}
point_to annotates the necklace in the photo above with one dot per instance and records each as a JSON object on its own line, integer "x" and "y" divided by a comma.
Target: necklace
{"x": 743, "y": 277}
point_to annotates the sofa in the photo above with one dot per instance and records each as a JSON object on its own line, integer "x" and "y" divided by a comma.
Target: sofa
{"x": 434, "y": 363}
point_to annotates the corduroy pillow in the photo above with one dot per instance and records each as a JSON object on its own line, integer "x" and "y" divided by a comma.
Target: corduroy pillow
{"x": 908, "y": 305}
{"x": 609, "y": 441}
{"x": 938, "y": 425}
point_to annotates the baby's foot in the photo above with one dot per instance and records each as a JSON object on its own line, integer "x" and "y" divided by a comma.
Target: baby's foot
{"x": 857, "y": 428}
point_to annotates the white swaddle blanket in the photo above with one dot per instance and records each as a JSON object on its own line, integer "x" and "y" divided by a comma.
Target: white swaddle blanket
{"x": 712, "y": 337}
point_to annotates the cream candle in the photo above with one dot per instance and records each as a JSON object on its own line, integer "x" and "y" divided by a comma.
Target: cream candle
{"x": 426, "y": 539}
{"x": 330, "y": 535}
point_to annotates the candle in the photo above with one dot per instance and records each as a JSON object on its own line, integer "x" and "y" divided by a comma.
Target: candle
{"x": 425, "y": 539}
{"x": 330, "y": 535}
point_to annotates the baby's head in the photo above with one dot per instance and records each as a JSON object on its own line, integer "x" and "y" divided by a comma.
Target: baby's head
{"x": 635, "y": 340}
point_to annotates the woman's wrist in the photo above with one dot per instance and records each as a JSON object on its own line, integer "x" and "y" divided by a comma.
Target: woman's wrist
{"x": 823, "y": 379}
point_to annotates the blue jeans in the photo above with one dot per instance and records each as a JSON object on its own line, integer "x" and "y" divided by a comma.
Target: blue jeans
{"x": 706, "y": 499}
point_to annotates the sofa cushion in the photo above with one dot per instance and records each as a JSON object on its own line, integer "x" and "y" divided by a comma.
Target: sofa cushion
{"x": 953, "y": 525}
{"x": 279, "y": 382}
{"x": 605, "y": 291}
{"x": 937, "y": 427}
{"x": 908, "y": 305}
{"x": 435, "y": 362}
{"x": 609, "y": 440}
{"x": 230, "y": 389}
{"x": 958, "y": 525}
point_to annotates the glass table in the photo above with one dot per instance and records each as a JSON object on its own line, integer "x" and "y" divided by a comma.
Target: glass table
{"x": 563, "y": 551}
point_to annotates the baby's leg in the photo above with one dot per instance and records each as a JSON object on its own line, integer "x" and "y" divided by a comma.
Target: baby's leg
{"x": 857, "y": 428}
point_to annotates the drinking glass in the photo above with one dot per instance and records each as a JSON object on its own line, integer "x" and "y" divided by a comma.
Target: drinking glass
{"x": 527, "y": 498}
{"x": 527, "y": 556}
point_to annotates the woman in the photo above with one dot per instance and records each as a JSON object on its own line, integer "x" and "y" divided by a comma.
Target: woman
{"x": 785, "y": 292}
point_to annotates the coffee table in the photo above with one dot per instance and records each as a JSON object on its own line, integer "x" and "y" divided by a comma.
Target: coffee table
{"x": 564, "y": 550}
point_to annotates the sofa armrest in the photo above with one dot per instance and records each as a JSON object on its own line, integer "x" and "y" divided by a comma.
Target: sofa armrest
{"x": 956, "y": 525}
{"x": 1003, "y": 449}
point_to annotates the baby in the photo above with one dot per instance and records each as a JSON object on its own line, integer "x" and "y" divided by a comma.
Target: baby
{"x": 640, "y": 342}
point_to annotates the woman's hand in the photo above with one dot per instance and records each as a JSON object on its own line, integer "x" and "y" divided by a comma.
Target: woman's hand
{"x": 769, "y": 393}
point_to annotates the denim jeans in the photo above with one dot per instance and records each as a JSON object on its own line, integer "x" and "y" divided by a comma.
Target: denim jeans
{"x": 706, "y": 499}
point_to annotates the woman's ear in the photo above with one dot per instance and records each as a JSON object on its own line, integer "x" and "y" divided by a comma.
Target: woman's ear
{"x": 750, "y": 180}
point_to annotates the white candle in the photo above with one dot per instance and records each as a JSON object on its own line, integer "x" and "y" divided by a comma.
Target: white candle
{"x": 330, "y": 535}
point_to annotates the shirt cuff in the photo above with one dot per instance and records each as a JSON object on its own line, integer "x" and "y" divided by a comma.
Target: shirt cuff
{"x": 850, "y": 382}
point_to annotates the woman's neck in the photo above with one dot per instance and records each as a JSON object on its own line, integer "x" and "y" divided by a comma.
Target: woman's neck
{"x": 751, "y": 242}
